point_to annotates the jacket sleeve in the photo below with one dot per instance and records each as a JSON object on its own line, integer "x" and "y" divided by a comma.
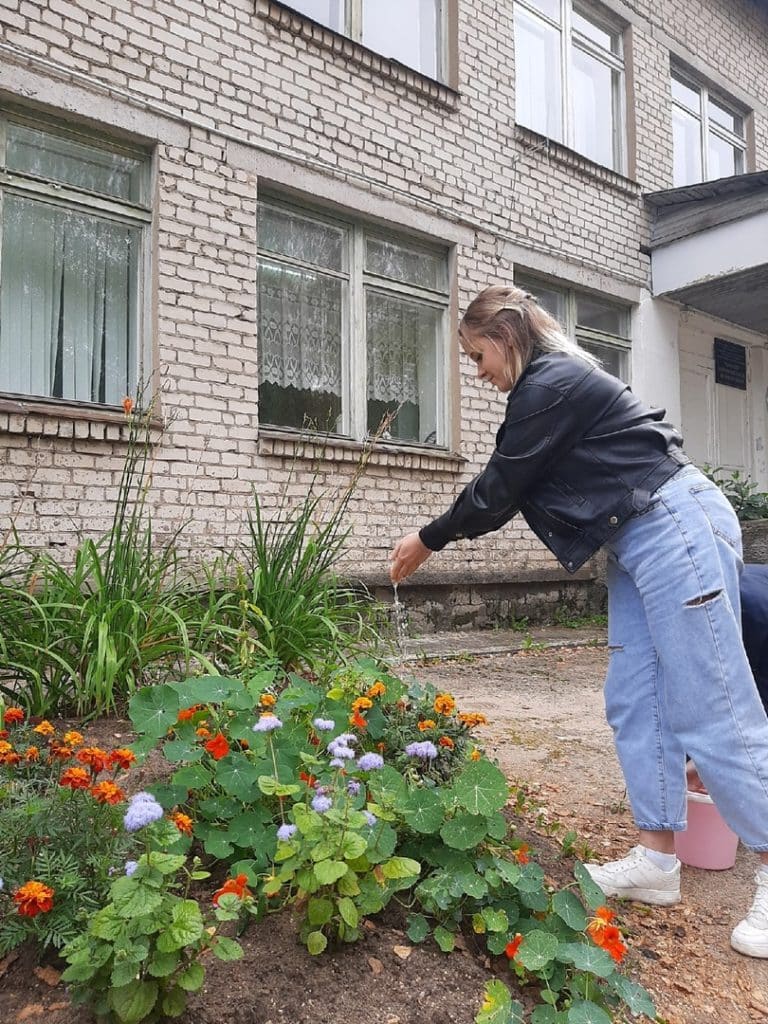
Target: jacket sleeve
{"x": 540, "y": 426}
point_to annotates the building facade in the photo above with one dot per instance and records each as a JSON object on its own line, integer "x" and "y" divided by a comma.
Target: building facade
{"x": 270, "y": 215}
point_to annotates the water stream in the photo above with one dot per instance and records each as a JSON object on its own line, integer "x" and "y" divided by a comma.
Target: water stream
{"x": 400, "y": 616}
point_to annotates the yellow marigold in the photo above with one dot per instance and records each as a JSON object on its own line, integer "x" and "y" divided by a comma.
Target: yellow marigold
{"x": 362, "y": 704}
{"x": 268, "y": 700}
{"x": 44, "y": 728}
{"x": 5, "y": 747}
{"x": 475, "y": 755}
{"x": 426, "y": 723}
{"x": 378, "y": 689}
{"x": 444, "y": 704}
{"x": 472, "y": 718}
{"x": 73, "y": 738}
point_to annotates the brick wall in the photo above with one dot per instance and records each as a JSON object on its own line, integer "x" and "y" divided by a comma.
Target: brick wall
{"x": 214, "y": 91}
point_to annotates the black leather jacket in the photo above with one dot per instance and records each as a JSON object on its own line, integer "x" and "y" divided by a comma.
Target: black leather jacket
{"x": 577, "y": 454}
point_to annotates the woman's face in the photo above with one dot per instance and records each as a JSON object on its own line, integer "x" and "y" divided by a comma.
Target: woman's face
{"x": 488, "y": 357}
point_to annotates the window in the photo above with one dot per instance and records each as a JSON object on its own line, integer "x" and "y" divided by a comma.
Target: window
{"x": 73, "y": 225}
{"x": 352, "y": 326}
{"x": 708, "y": 134}
{"x": 380, "y": 27}
{"x": 600, "y": 326}
{"x": 569, "y": 78}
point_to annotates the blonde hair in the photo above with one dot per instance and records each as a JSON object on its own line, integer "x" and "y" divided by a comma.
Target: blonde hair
{"x": 513, "y": 320}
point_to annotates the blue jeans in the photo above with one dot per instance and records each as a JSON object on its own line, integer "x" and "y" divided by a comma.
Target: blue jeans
{"x": 678, "y": 679}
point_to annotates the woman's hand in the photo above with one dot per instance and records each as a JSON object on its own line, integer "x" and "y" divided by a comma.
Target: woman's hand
{"x": 407, "y": 556}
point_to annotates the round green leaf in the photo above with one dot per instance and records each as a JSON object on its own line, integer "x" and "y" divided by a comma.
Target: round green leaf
{"x": 206, "y": 690}
{"x": 423, "y": 811}
{"x": 587, "y": 957}
{"x": 538, "y": 949}
{"x": 590, "y": 890}
{"x": 247, "y": 830}
{"x": 418, "y": 927}
{"x": 192, "y": 978}
{"x": 237, "y": 776}
{"x": 481, "y": 788}
{"x": 465, "y": 831}
{"x": 569, "y": 907}
{"x": 328, "y": 871}
{"x": 193, "y": 776}
{"x": 446, "y": 940}
{"x": 586, "y": 1012}
{"x": 316, "y": 943}
{"x": 153, "y": 710}
{"x": 178, "y": 750}
{"x": 634, "y": 995}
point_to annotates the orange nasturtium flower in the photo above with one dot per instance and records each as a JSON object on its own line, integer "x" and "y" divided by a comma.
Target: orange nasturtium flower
{"x": 122, "y": 757}
{"x": 107, "y": 793}
{"x": 238, "y": 886}
{"x": 444, "y": 704}
{"x": 127, "y": 405}
{"x": 362, "y": 704}
{"x": 475, "y": 755}
{"x": 512, "y": 947}
{"x": 606, "y": 935}
{"x": 186, "y": 713}
{"x": 96, "y": 758}
{"x": 357, "y": 720}
{"x": 44, "y": 728}
{"x": 183, "y": 822}
{"x": 521, "y": 854}
{"x": 33, "y": 898}
{"x": 76, "y": 778}
{"x": 425, "y": 724}
{"x": 472, "y": 718}
{"x": 73, "y": 738}
{"x": 217, "y": 747}
{"x": 377, "y": 690}
{"x": 445, "y": 741}
{"x": 13, "y": 716}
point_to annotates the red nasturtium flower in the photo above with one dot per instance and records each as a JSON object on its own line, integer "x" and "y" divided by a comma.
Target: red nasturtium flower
{"x": 309, "y": 779}
{"x": 13, "y": 716}
{"x": 76, "y": 778}
{"x": 107, "y": 793}
{"x": 33, "y": 898}
{"x": 521, "y": 854}
{"x": 127, "y": 405}
{"x": 217, "y": 747}
{"x": 183, "y": 822}
{"x": 122, "y": 757}
{"x": 606, "y": 935}
{"x": 512, "y": 947}
{"x": 186, "y": 713}
{"x": 238, "y": 886}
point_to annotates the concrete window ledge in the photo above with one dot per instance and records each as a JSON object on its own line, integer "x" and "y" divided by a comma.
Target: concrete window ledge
{"x": 37, "y": 417}
{"x": 540, "y": 145}
{"x": 321, "y": 449}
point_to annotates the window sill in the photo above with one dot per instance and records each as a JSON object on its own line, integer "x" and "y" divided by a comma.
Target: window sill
{"x": 298, "y": 24}
{"x": 570, "y": 158}
{"x": 280, "y": 443}
{"x": 54, "y": 418}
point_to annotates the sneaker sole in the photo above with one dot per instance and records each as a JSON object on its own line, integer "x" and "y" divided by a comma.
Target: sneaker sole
{"x": 746, "y": 949}
{"x": 655, "y": 897}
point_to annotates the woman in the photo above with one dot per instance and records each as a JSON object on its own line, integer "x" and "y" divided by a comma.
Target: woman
{"x": 589, "y": 465}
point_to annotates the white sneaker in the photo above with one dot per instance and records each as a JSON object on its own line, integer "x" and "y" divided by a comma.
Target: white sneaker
{"x": 636, "y": 877}
{"x": 750, "y": 936}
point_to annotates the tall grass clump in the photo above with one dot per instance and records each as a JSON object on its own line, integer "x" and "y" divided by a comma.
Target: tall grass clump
{"x": 104, "y": 623}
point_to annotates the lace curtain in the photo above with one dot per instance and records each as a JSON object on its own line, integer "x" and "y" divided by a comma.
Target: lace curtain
{"x": 300, "y": 328}
{"x": 67, "y": 297}
{"x": 397, "y": 331}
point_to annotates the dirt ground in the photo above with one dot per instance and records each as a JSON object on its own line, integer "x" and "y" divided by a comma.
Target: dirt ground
{"x": 548, "y": 731}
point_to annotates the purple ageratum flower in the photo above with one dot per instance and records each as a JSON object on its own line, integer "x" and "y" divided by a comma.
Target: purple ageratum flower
{"x": 142, "y": 810}
{"x": 370, "y": 818}
{"x": 336, "y": 762}
{"x": 267, "y": 723}
{"x": 353, "y": 787}
{"x": 347, "y": 738}
{"x": 370, "y": 762}
{"x": 338, "y": 749}
{"x": 130, "y": 867}
{"x": 321, "y": 804}
{"x": 425, "y": 750}
{"x": 286, "y": 832}
{"x": 323, "y": 724}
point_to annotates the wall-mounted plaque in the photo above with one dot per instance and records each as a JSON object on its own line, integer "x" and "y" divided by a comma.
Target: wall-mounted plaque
{"x": 730, "y": 364}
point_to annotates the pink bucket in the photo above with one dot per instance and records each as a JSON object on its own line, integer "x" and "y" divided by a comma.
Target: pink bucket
{"x": 707, "y": 842}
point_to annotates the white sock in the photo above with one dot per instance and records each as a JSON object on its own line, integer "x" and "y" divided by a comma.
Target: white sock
{"x": 763, "y": 870}
{"x": 665, "y": 861}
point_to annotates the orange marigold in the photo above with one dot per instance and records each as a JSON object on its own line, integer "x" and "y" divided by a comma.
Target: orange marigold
{"x": 127, "y": 405}
{"x": 217, "y": 747}
{"x": 76, "y": 778}
{"x": 13, "y": 716}
{"x": 202, "y": 732}
{"x": 10, "y": 759}
{"x": 238, "y": 886}
{"x": 183, "y": 822}
{"x": 32, "y": 754}
{"x": 57, "y": 752}
{"x": 33, "y": 898}
{"x": 521, "y": 853}
{"x": 475, "y": 755}
{"x": 96, "y": 758}
{"x": 267, "y": 700}
{"x": 5, "y": 747}
{"x": 512, "y": 947}
{"x": 377, "y": 690}
{"x": 4, "y": 734}
{"x": 107, "y": 793}
{"x": 122, "y": 757}
{"x": 426, "y": 723}
{"x": 362, "y": 704}
{"x": 445, "y": 741}
{"x": 73, "y": 738}
{"x": 44, "y": 728}
{"x": 472, "y": 718}
{"x": 444, "y": 704}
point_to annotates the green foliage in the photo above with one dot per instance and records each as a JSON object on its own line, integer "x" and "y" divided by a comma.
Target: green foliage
{"x": 140, "y": 955}
{"x": 742, "y": 492}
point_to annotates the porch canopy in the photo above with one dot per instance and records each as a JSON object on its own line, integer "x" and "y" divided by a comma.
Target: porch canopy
{"x": 709, "y": 247}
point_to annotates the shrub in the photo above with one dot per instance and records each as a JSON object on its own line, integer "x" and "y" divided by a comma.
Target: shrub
{"x": 742, "y": 492}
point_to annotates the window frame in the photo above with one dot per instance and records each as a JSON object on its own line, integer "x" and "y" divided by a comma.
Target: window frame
{"x": 706, "y": 124}
{"x": 354, "y": 340}
{"x": 569, "y": 320}
{"x": 86, "y": 202}
{"x": 353, "y": 29}
{"x": 571, "y": 38}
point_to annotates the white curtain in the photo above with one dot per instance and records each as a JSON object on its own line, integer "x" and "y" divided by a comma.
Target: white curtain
{"x": 396, "y": 333}
{"x": 66, "y": 289}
